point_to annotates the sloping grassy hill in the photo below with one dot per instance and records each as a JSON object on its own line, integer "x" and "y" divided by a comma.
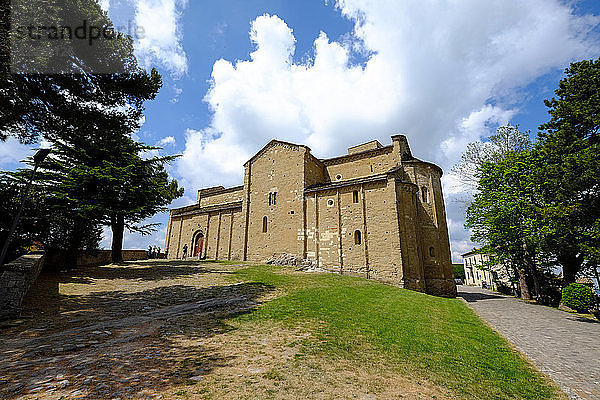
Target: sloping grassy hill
{"x": 422, "y": 337}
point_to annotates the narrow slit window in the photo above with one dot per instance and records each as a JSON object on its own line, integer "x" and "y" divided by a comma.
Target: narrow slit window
{"x": 431, "y": 252}
{"x": 265, "y": 224}
{"x": 425, "y": 194}
{"x": 355, "y": 196}
{"x": 357, "y": 237}
{"x": 272, "y": 198}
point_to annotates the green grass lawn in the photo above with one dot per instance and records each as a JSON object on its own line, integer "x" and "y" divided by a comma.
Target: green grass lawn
{"x": 426, "y": 337}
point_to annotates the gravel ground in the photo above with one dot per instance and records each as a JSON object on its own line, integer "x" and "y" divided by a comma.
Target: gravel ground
{"x": 108, "y": 332}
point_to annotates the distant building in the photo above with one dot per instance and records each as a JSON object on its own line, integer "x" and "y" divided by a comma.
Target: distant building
{"x": 377, "y": 212}
{"x": 475, "y": 276}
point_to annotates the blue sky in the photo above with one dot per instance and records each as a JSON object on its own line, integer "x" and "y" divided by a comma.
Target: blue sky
{"x": 337, "y": 73}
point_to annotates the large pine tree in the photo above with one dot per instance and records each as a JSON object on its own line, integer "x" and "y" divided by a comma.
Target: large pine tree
{"x": 96, "y": 175}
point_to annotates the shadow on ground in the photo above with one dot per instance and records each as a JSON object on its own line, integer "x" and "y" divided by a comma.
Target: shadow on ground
{"x": 116, "y": 344}
{"x": 473, "y": 297}
{"x": 148, "y": 271}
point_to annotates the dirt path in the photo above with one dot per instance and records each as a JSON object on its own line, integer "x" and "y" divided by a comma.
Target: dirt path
{"x": 108, "y": 332}
{"x": 563, "y": 345}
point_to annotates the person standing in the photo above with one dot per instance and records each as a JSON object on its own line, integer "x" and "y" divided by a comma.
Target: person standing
{"x": 184, "y": 251}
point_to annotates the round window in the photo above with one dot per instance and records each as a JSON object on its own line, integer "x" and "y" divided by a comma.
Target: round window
{"x": 330, "y": 202}
{"x": 338, "y": 177}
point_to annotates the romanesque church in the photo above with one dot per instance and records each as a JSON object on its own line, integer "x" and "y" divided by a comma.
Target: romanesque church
{"x": 376, "y": 212}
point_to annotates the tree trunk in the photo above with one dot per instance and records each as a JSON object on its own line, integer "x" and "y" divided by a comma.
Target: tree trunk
{"x": 533, "y": 271}
{"x": 525, "y": 295}
{"x": 571, "y": 264}
{"x": 117, "y": 226}
{"x": 569, "y": 272}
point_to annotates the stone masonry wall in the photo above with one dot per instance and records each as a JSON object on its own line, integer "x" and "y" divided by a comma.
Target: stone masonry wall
{"x": 15, "y": 281}
{"x": 280, "y": 170}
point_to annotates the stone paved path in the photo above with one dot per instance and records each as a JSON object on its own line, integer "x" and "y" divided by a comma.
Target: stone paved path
{"x": 562, "y": 345}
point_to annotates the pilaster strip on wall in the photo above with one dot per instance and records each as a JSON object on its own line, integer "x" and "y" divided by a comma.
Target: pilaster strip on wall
{"x": 230, "y": 237}
{"x": 304, "y": 226}
{"x": 249, "y": 188}
{"x": 218, "y": 237}
{"x": 179, "y": 240}
{"x": 207, "y": 237}
{"x": 438, "y": 249}
{"x": 317, "y": 255}
{"x": 433, "y": 202}
{"x": 365, "y": 234}
{"x": 394, "y": 198}
{"x": 339, "y": 207}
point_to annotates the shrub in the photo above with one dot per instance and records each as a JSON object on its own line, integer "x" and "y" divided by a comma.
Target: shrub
{"x": 578, "y": 297}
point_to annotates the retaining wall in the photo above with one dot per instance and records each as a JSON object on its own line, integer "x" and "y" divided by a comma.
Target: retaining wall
{"x": 16, "y": 279}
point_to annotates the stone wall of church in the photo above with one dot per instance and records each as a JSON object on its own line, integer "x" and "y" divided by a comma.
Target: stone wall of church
{"x": 275, "y": 227}
{"x": 361, "y": 165}
{"x": 377, "y": 213}
{"x": 222, "y": 233}
{"x": 350, "y": 230}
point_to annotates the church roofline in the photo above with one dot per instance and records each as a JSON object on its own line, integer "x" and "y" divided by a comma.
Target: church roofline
{"x": 334, "y": 185}
{"x": 271, "y": 143}
{"x": 196, "y": 209}
{"x": 417, "y": 161}
{"x": 207, "y": 192}
{"x": 334, "y": 160}
{"x": 357, "y": 181}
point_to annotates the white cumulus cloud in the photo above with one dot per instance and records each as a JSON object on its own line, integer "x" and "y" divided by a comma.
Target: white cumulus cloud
{"x": 161, "y": 40}
{"x": 167, "y": 140}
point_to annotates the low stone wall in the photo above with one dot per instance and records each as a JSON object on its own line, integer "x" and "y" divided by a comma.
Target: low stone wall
{"x": 16, "y": 279}
{"x": 92, "y": 258}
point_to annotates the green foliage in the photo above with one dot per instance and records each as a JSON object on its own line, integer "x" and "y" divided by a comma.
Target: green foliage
{"x": 538, "y": 206}
{"x": 569, "y": 177}
{"x": 578, "y": 297}
{"x": 459, "y": 271}
{"x": 34, "y": 105}
{"x": 96, "y": 175}
{"x": 438, "y": 339}
{"x": 505, "y": 213}
{"x": 47, "y": 221}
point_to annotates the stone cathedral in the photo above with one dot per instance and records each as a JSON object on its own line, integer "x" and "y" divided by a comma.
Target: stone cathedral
{"x": 376, "y": 212}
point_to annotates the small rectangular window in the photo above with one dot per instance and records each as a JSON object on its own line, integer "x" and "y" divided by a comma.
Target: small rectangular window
{"x": 270, "y": 199}
{"x": 274, "y": 198}
{"x": 355, "y": 196}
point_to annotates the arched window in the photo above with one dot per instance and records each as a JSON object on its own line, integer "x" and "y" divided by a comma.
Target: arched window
{"x": 425, "y": 194}
{"x": 355, "y": 196}
{"x": 431, "y": 252}
{"x": 264, "y": 224}
{"x": 357, "y": 237}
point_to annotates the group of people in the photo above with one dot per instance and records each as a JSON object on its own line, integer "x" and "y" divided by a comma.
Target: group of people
{"x": 155, "y": 252}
